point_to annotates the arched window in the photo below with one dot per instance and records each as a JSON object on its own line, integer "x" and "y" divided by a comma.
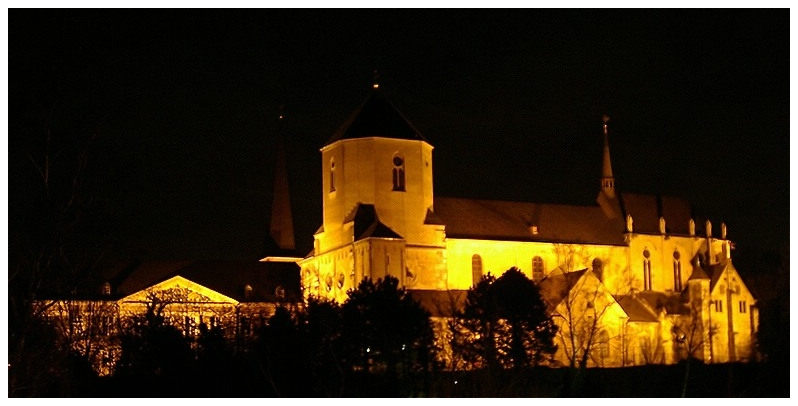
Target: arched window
{"x": 537, "y": 268}
{"x": 598, "y": 269}
{"x": 646, "y": 270}
{"x": 677, "y": 272}
{"x": 398, "y": 173}
{"x": 476, "y": 269}
{"x": 332, "y": 175}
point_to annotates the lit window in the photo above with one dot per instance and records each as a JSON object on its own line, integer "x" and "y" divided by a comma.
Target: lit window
{"x": 537, "y": 268}
{"x": 646, "y": 270}
{"x": 332, "y": 176}
{"x": 677, "y": 272}
{"x": 398, "y": 174}
{"x": 476, "y": 269}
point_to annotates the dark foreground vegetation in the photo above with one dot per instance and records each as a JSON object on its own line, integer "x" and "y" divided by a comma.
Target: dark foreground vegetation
{"x": 241, "y": 378}
{"x": 379, "y": 343}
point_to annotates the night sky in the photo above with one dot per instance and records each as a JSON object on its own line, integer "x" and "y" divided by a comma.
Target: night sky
{"x": 183, "y": 105}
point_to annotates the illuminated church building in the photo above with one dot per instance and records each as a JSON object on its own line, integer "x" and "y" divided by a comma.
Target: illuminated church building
{"x": 660, "y": 283}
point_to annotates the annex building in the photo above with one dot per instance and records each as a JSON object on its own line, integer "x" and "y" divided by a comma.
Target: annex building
{"x": 630, "y": 280}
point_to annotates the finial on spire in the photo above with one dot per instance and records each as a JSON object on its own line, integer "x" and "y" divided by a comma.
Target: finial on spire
{"x": 605, "y": 119}
{"x": 281, "y": 114}
{"x": 375, "y": 83}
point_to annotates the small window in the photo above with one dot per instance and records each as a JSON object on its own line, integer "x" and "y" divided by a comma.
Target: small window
{"x": 718, "y": 305}
{"x": 341, "y": 280}
{"x": 247, "y": 291}
{"x": 398, "y": 173}
{"x": 107, "y": 289}
{"x": 332, "y": 175}
{"x": 279, "y": 292}
{"x": 476, "y": 269}
{"x": 743, "y": 307}
{"x": 537, "y": 268}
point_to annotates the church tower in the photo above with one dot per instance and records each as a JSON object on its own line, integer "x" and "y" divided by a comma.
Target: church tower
{"x": 607, "y": 180}
{"x": 280, "y": 243}
{"x": 607, "y": 198}
{"x": 376, "y": 158}
{"x": 377, "y": 195}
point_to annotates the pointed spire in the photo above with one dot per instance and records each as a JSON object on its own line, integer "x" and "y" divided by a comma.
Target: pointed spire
{"x": 281, "y": 228}
{"x": 607, "y": 180}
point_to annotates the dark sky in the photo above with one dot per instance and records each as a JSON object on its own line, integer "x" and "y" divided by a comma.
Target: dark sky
{"x": 183, "y": 107}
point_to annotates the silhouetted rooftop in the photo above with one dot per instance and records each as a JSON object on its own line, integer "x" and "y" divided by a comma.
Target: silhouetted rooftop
{"x": 226, "y": 277}
{"x": 376, "y": 117}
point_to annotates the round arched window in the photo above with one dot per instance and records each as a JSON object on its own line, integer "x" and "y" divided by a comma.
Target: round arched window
{"x": 646, "y": 254}
{"x": 398, "y": 161}
{"x": 676, "y": 255}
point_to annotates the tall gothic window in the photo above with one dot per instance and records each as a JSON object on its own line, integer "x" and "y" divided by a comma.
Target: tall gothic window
{"x": 332, "y": 176}
{"x": 537, "y": 268}
{"x": 677, "y": 272}
{"x": 398, "y": 173}
{"x": 476, "y": 268}
{"x": 646, "y": 270}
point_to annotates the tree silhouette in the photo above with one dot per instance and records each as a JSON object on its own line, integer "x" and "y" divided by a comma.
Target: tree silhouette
{"x": 388, "y": 333}
{"x": 504, "y": 324}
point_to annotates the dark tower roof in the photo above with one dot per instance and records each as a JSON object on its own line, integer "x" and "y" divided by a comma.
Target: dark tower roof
{"x": 377, "y": 117}
{"x": 280, "y": 241}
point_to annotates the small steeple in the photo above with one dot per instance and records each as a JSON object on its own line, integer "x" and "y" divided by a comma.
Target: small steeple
{"x": 607, "y": 180}
{"x": 281, "y": 228}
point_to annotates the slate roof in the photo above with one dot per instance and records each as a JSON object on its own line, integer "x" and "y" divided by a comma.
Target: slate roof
{"x": 671, "y": 302}
{"x": 440, "y": 303}
{"x": 505, "y": 220}
{"x": 636, "y": 309}
{"x": 367, "y": 224}
{"x": 376, "y": 117}
{"x": 715, "y": 272}
{"x": 698, "y": 273}
{"x": 647, "y": 209}
{"x": 557, "y": 284}
{"x": 226, "y": 277}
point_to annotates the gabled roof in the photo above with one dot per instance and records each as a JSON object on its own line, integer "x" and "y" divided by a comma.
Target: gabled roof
{"x": 557, "y": 284}
{"x": 504, "y": 220}
{"x": 715, "y": 272}
{"x": 226, "y": 277}
{"x": 698, "y": 273}
{"x": 440, "y": 303}
{"x": 636, "y": 309}
{"x": 671, "y": 302}
{"x": 367, "y": 224}
{"x": 376, "y": 117}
